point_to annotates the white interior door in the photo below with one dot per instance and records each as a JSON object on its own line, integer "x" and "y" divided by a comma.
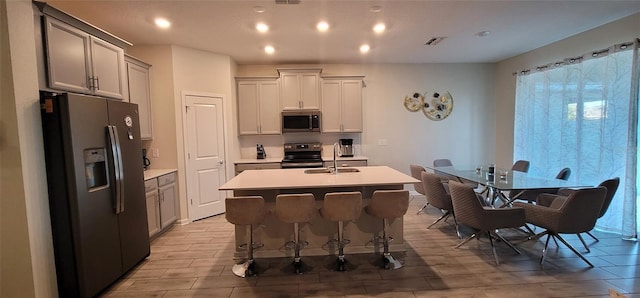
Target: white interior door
{"x": 205, "y": 155}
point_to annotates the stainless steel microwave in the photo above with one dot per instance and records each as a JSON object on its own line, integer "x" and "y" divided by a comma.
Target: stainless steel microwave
{"x": 301, "y": 121}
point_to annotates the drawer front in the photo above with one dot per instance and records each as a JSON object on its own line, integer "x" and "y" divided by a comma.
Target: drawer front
{"x": 150, "y": 185}
{"x": 347, "y": 163}
{"x": 257, "y": 166}
{"x": 166, "y": 179}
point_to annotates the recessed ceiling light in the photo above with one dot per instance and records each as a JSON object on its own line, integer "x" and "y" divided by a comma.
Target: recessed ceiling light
{"x": 375, "y": 9}
{"x": 269, "y": 50}
{"x": 262, "y": 27}
{"x": 483, "y": 33}
{"x": 259, "y": 9}
{"x": 379, "y": 28}
{"x": 364, "y": 48}
{"x": 322, "y": 26}
{"x": 162, "y": 23}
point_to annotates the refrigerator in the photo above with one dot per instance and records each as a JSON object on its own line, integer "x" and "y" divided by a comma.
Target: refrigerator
{"x": 96, "y": 190}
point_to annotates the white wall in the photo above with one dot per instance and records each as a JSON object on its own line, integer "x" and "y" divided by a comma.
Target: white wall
{"x": 26, "y": 250}
{"x": 620, "y": 31}
{"x": 466, "y": 136}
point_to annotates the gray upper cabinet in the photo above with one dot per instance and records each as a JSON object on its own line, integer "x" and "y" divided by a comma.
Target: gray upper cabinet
{"x": 80, "y": 62}
{"x": 140, "y": 93}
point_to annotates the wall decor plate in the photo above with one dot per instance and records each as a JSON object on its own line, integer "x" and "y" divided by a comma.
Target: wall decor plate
{"x": 414, "y": 102}
{"x": 438, "y": 106}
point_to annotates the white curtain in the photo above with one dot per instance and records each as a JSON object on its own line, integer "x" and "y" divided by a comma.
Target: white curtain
{"x": 582, "y": 113}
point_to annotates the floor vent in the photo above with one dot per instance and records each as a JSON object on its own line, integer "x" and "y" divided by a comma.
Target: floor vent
{"x": 434, "y": 41}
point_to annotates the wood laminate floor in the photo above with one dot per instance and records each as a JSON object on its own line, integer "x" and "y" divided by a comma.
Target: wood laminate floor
{"x": 195, "y": 260}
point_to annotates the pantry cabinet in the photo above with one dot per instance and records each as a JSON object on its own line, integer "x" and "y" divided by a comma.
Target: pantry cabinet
{"x": 80, "y": 62}
{"x": 342, "y": 104}
{"x": 140, "y": 93}
{"x": 258, "y": 106}
{"x": 300, "y": 89}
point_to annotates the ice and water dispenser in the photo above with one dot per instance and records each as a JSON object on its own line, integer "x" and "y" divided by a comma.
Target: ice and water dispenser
{"x": 95, "y": 168}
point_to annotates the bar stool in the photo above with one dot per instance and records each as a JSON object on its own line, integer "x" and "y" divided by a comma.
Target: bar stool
{"x": 295, "y": 209}
{"x": 388, "y": 204}
{"x": 341, "y": 207}
{"x": 246, "y": 211}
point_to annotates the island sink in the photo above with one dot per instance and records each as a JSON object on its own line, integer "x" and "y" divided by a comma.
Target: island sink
{"x": 330, "y": 170}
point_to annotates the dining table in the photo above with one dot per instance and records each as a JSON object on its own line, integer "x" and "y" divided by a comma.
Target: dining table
{"x": 504, "y": 185}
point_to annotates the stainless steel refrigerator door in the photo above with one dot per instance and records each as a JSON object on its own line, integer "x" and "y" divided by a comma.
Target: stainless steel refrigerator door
{"x": 132, "y": 210}
{"x": 94, "y": 223}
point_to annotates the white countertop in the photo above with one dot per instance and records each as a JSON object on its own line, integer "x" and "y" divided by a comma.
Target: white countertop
{"x": 296, "y": 178}
{"x": 155, "y": 173}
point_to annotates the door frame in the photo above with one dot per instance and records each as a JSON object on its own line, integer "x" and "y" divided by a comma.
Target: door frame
{"x": 185, "y": 145}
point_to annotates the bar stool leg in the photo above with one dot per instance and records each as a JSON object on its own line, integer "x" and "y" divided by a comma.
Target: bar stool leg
{"x": 341, "y": 243}
{"x": 247, "y": 268}
{"x": 389, "y": 261}
{"x": 297, "y": 263}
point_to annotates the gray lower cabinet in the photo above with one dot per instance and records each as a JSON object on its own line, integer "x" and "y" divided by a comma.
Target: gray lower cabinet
{"x": 346, "y": 163}
{"x": 256, "y": 166}
{"x": 161, "y": 197}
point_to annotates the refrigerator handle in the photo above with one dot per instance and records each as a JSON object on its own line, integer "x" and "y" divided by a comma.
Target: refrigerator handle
{"x": 114, "y": 142}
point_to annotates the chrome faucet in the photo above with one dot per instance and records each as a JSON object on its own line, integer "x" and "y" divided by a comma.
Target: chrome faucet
{"x": 335, "y": 162}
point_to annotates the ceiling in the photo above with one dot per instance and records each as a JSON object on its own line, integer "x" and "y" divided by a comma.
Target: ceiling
{"x": 228, "y": 27}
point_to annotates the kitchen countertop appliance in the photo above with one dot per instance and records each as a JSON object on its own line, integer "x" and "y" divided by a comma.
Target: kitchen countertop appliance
{"x": 96, "y": 190}
{"x": 346, "y": 148}
{"x": 302, "y": 155}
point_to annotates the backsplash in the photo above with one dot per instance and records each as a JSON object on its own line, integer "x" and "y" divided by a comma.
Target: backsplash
{"x": 273, "y": 143}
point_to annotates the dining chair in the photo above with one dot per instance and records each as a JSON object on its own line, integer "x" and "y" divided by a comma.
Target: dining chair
{"x": 416, "y": 171}
{"x": 438, "y": 197}
{"x": 484, "y": 220}
{"x": 610, "y": 184}
{"x": 573, "y": 214}
{"x": 530, "y": 195}
{"x": 520, "y": 166}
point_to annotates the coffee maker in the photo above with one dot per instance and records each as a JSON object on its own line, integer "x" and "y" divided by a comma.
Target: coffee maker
{"x": 346, "y": 148}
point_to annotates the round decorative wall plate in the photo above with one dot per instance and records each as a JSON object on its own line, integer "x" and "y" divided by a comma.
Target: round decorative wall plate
{"x": 439, "y": 106}
{"x": 414, "y": 103}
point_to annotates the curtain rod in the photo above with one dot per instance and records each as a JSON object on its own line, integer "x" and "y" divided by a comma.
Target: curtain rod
{"x": 578, "y": 59}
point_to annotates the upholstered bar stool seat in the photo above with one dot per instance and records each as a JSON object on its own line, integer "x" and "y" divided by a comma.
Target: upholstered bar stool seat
{"x": 246, "y": 211}
{"x": 296, "y": 209}
{"x": 388, "y": 204}
{"x": 341, "y": 207}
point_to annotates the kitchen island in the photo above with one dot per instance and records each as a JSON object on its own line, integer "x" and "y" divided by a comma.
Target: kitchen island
{"x": 274, "y": 234}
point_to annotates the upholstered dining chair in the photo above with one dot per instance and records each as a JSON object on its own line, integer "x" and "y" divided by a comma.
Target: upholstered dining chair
{"x": 520, "y": 166}
{"x": 574, "y": 214}
{"x": 485, "y": 220}
{"x": 416, "y": 171}
{"x": 438, "y": 197}
{"x": 611, "y": 185}
{"x": 531, "y": 195}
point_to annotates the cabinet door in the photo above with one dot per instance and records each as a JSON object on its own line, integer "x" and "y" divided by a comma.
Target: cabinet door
{"x": 269, "y": 108}
{"x": 351, "y": 106}
{"x": 331, "y": 106}
{"x": 68, "y": 60}
{"x": 309, "y": 91}
{"x": 139, "y": 93}
{"x": 108, "y": 68}
{"x": 290, "y": 91}
{"x": 168, "y": 194}
{"x": 153, "y": 212}
{"x": 248, "y": 122}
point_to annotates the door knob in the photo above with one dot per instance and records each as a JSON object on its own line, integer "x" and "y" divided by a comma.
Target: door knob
{"x": 221, "y": 161}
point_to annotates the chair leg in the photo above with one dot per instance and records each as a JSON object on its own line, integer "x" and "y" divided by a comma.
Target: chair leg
{"x": 422, "y": 208}
{"x": 506, "y": 241}
{"x": 247, "y": 268}
{"x": 455, "y": 222}
{"x": 546, "y": 245}
{"x": 475, "y": 235}
{"x": 493, "y": 249}
{"x": 574, "y": 250}
{"x": 444, "y": 216}
{"x": 594, "y": 237}
{"x": 583, "y": 243}
{"x": 341, "y": 260}
{"x": 388, "y": 260}
{"x": 297, "y": 263}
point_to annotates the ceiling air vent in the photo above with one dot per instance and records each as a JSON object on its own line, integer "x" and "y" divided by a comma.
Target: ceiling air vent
{"x": 434, "y": 41}
{"x": 287, "y": 1}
